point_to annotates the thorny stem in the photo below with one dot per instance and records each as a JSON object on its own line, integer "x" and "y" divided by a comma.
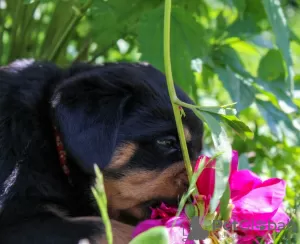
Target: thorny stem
{"x": 171, "y": 88}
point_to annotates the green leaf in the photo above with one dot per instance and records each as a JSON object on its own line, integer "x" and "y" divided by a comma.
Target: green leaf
{"x": 228, "y": 56}
{"x": 240, "y": 5}
{"x": 32, "y": 1}
{"x": 227, "y": 116}
{"x": 224, "y": 211}
{"x": 280, "y": 28}
{"x": 239, "y": 88}
{"x": 190, "y": 210}
{"x": 223, "y": 148}
{"x": 271, "y": 66}
{"x": 256, "y": 10}
{"x": 261, "y": 41}
{"x": 157, "y": 235}
{"x": 243, "y": 162}
{"x": 294, "y": 37}
{"x": 185, "y": 198}
{"x": 114, "y": 19}
{"x": 277, "y": 93}
{"x": 280, "y": 124}
{"x": 244, "y": 27}
{"x": 192, "y": 187}
{"x": 219, "y": 110}
{"x": 188, "y": 42}
{"x": 238, "y": 126}
{"x": 191, "y": 6}
{"x": 221, "y": 25}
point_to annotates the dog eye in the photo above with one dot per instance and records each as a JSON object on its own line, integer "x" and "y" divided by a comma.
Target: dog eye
{"x": 169, "y": 141}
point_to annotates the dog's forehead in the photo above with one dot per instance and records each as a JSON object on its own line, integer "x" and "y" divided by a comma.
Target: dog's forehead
{"x": 153, "y": 113}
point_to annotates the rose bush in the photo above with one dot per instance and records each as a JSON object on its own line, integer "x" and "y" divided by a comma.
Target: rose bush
{"x": 257, "y": 206}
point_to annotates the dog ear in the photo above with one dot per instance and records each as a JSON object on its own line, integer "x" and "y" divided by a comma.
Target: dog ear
{"x": 88, "y": 111}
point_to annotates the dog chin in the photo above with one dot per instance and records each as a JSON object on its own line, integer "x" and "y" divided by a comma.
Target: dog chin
{"x": 143, "y": 211}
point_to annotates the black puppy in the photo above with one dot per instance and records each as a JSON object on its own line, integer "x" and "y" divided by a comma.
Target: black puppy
{"x": 55, "y": 124}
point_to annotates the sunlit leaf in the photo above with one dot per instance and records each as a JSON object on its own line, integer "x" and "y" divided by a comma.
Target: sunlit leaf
{"x": 190, "y": 210}
{"x": 219, "y": 110}
{"x": 157, "y": 235}
{"x": 237, "y": 28}
{"x": 279, "y": 123}
{"x": 240, "y": 5}
{"x": 191, "y": 6}
{"x": 238, "y": 126}
{"x": 223, "y": 148}
{"x": 227, "y": 56}
{"x": 276, "y": 90}
{"x": 224, "y": 211}
{"x": 113, "y": 19}
{"x": 192, "y": 187}
{"x": 227, "y": 116}
{"x": 271, "y": 66}
{"x": 255, "y": 9}
{"x": 239, "y": 88}
{"x": 188, "y": 42}
{"x": 279, "y": 25}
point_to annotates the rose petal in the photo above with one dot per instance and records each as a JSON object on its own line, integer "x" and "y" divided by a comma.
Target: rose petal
{"x": 163, "y": 211}
{"x": 146, "y": 225}
{"x": 178, "y": 236}
{"x": 280, "y": 218}
{"x": 206, "y": 180}
{"x": 242, "y": 182}
{"x": 268, "y": 196}
{"x": 234, "y": 162}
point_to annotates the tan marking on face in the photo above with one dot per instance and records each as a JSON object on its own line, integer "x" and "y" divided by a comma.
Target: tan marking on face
{"x": 187, "y": 134}
{"x": 142, "y": 185}
{"x": 122, "y": 155}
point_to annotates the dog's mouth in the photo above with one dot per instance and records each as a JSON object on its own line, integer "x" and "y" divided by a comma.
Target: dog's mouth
{"x": 144, "y": 210}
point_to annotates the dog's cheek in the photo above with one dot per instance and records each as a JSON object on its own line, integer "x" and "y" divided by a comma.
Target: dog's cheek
{"x": 122, "y": 155}
{"x": 141, "y": 185}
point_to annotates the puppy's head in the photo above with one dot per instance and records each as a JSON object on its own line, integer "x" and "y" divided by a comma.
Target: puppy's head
{"x": 119, "y": 116}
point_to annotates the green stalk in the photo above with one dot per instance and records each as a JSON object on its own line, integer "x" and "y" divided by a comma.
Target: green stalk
{"x": 55, "y": 27}
{"x": 100, "y": 196}
{"x": 16, "y": 13}
{"x": 1, "y": 36}
{"x": 73, "y": 22}
{"x": 27, "y": 28}
{"x": 171, "y": 88}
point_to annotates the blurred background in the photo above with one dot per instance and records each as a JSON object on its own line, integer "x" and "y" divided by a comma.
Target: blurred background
{"x": 223, "y": 51}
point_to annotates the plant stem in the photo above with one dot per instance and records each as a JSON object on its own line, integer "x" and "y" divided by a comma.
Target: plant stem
{"x": 100, "y": 196}
{"x": 83, "y": 52}
{"x": 16, "y": 20}
{"x": 171, "y": 87}
{"x": 192, "y": 106}
{"x": 70, "y": 27}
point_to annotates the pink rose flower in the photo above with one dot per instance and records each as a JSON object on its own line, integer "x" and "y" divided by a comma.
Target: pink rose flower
{"x": 206, "y": 180}
{"x": 178, "y": 227}
{"x": 258, "y": 208}
{"x": 258, "y": 204}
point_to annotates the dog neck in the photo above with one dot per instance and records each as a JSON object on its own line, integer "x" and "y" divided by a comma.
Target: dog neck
{"x": 62, "y": 155}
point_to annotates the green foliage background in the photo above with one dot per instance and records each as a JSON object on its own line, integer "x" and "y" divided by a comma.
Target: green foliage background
{"x": 223, "y": 51}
